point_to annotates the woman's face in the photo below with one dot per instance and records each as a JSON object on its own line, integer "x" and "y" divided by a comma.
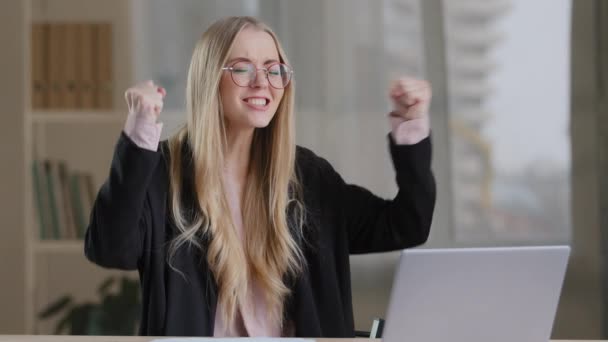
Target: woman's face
{"x": 253, "y": 105}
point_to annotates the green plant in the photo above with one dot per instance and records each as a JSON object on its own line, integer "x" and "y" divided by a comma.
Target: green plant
{"x": 115, "y": 314}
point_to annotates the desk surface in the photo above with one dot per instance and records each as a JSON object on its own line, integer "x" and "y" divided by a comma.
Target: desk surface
{"x": 68, "y": 338}
{"x": 62, "y": 338}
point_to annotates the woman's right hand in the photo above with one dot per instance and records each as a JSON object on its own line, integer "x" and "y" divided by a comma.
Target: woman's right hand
{"x": 145, "y": 100}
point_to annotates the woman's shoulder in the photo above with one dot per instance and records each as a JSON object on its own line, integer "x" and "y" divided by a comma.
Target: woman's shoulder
{"x": 306, "y": 158}
{"x": 309, "y": 163}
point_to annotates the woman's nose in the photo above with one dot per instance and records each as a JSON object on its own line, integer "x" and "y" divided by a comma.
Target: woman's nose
{"x": 259, "y": 80}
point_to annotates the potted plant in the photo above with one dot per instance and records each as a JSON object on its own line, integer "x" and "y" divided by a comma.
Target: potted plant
{"x": 115, "y": 313}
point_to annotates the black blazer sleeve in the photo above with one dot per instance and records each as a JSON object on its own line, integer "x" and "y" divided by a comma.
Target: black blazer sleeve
{"x": 374, "y": 224}
{"x": 121, "y": 211}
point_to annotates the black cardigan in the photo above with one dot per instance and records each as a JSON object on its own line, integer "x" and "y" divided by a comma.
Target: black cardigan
{"x": 130, "y": 226}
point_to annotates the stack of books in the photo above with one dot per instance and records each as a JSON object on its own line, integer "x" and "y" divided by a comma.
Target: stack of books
{"x": 71, "y": 65}
{"x": 63, "y": 200}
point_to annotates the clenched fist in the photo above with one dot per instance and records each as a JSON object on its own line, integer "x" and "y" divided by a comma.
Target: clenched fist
{"x": 145, "y": 100}
{"x": 409, "y": 119}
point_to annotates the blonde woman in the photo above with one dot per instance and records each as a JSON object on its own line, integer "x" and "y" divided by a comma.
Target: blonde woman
{"x": 235, "y": 230}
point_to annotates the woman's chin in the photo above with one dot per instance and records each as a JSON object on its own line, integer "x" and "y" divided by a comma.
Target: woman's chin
{"x": 261, "y": 124}
{"x": 259, "y": 120}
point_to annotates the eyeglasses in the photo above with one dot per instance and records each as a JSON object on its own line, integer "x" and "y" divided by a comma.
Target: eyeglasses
{"x": 244, "y": 74}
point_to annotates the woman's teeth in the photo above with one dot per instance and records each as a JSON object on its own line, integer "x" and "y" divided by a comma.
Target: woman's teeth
{"x": 257, "y": 102}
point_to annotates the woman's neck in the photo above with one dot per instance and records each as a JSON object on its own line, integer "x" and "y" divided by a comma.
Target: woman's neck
{"x": 238, "y": 154}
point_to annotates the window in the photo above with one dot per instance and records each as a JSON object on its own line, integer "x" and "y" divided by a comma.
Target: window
{"x": 508, "y": 96}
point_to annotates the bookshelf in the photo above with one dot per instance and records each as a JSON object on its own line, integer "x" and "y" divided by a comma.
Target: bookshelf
{"x": 78, "y": 129}
{"x": 60, "y": 246}
{"x": 76, "y": 117}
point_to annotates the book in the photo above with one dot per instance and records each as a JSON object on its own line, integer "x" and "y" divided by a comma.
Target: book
{"x": 38, "y": 60}
{"x": 103, "y": 67}
{"x": 69, "y": 65}
{"x": 59, "y": 200}
{"x": 52, "y": 201}
{"x": 41, "y": 200}
{"x": 69, "y": 224}
{"x": 85, "y": 98}
{"x": 55, "y": 64}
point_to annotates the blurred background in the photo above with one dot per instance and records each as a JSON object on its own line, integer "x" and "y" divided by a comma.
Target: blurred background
{"x": 519, "y": 119}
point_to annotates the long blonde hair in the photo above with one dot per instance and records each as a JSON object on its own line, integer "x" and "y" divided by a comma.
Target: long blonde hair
{"x": 270, "y": 250}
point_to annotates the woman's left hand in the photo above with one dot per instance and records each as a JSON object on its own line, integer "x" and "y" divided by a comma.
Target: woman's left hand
{"x": 409, "y": 119}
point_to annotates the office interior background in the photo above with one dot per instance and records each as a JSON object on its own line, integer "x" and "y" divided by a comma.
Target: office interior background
{"x": 519, "y": 127}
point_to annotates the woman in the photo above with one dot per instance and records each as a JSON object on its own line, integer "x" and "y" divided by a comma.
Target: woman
{"x": 234, "y": 230}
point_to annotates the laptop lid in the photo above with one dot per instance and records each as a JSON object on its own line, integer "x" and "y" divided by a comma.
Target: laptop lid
{"x": 476, "y": 294}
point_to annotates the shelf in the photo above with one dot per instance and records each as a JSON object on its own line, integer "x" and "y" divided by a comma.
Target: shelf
{"x": 59, "y": 246}
{"x": 77, "y": 116}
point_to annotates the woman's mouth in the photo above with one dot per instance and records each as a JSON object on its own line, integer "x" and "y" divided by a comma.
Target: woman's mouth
{"x": 258, "y": 103}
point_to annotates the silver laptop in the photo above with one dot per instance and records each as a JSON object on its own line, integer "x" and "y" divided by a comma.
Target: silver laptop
{"x": 476, "y": 294}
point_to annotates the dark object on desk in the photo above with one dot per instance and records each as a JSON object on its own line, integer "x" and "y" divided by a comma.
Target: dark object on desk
{"x": 375, "y": 332}
{"x": 116, "y": 313}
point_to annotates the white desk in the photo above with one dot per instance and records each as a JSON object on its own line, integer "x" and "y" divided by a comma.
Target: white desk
{"x": 66, "y": 338}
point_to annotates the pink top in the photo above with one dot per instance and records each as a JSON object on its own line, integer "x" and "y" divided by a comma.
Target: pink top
{"x": 251, "y": 319}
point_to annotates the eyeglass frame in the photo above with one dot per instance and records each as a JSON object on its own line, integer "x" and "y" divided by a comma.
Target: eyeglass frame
{"x": 231, "y": 69}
